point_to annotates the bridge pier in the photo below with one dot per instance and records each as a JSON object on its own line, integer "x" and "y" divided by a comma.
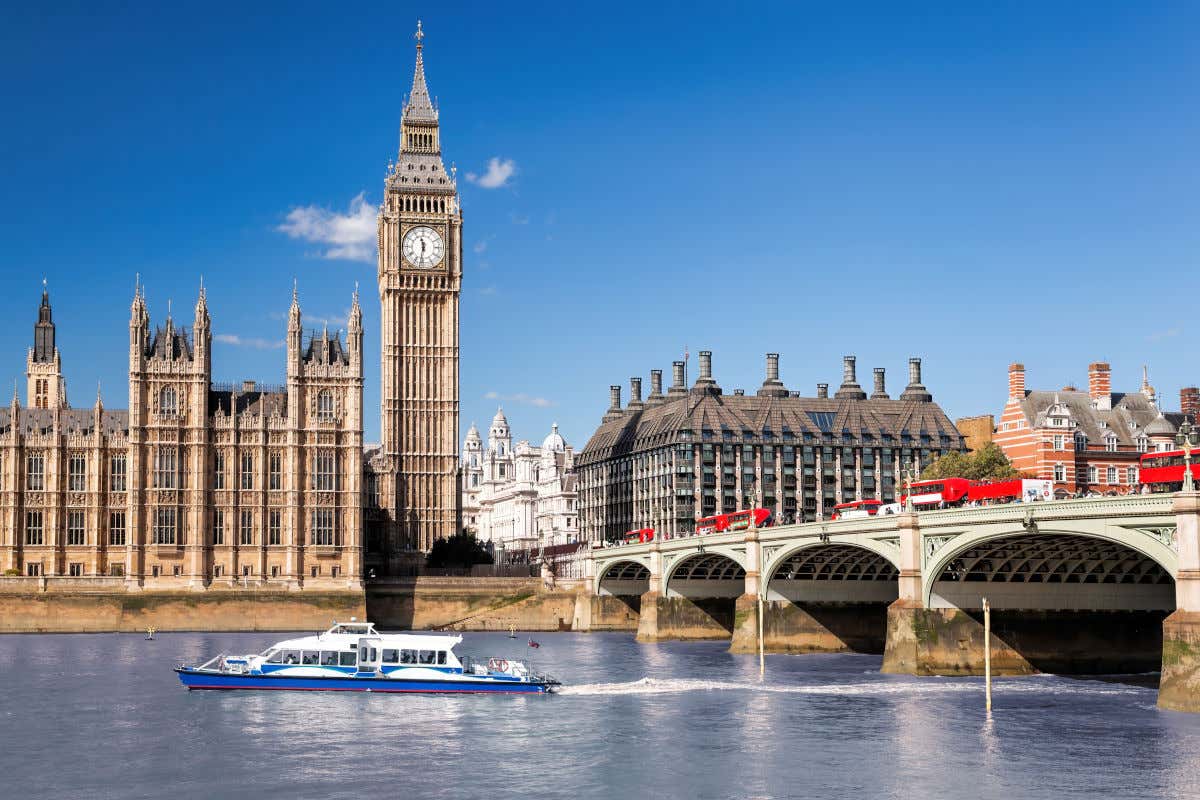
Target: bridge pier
{"x": 1179, "y": 685}
{"x": 905, "y": 616}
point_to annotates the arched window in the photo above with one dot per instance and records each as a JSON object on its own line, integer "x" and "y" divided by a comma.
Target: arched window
{"x": 167, "y": 401}
{"x": 325, "y": 406}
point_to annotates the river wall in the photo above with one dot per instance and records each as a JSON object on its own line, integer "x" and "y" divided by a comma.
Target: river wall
{"x": 214, "y": 610}
{"x": 470, "y": 604}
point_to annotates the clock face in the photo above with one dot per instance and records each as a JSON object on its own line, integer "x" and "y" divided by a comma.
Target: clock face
{"x": 423, "y": 247}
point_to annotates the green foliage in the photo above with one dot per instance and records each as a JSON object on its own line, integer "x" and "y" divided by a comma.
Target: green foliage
{"x": 986, "y": 463}
{"x": 460, "y": 550}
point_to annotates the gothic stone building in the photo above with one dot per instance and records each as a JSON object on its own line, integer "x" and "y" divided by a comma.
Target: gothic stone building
{"x": 668, "y": 460}
{"x": 195, "y": 485}
{"x": 414, "y": 475}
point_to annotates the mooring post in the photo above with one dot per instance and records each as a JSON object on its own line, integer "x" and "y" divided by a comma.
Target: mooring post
{"x": 987, "y": 653}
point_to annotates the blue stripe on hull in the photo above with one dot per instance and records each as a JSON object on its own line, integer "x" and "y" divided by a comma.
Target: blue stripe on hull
{"x": 203, "y": 680}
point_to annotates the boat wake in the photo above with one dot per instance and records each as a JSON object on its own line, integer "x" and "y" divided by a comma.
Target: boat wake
{"x": 650, "y": 686}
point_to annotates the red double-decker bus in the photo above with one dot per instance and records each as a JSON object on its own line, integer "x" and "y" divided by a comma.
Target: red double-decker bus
{"x": 642, "y": 535}
{"x": 1163, "y": 472}
{"x": 734, "y": 521}
{"x": 857, "y": 509}
{"x": 941, "y": 491}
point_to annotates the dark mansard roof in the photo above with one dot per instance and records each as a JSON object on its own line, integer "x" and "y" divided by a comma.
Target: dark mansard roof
{"x": 326, "y": 349}
{"x": 844, "y": 419}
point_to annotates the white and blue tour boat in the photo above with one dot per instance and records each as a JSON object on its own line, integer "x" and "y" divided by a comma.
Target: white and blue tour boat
{"x": 354, "y": 657}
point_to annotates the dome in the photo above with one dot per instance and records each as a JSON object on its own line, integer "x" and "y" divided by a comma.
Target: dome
{"x": 499, "y": 421}
{"x": 554, "y": 443}
{"x": 1160, "y": 427}
{"x": 473, "y": 434}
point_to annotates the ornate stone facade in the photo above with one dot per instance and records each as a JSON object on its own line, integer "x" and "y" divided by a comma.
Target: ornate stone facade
{"x": 415, "y": 474}
{"x": 195, "y": 485}
{"x": 520, "y": 497}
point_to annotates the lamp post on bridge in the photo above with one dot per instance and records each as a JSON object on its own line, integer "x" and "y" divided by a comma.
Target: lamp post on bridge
{"x": 907, "y": 474}
{"x": 1187, "y": 438}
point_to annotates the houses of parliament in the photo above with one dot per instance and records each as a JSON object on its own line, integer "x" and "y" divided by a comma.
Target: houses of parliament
{"x": 198, "y": 485}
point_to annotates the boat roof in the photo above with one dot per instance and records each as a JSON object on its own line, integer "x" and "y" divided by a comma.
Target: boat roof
{"x": 347, "y": 634}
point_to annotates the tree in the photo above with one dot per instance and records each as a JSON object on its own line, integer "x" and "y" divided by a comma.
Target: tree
{"x": 461, "y": 550}
{"x": 988, "y": 463}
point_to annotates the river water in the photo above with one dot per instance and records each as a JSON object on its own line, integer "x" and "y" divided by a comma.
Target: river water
{"x": 101, "y": 716}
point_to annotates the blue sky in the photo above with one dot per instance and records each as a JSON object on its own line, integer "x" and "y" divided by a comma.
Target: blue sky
{"x": 974, "y": 185}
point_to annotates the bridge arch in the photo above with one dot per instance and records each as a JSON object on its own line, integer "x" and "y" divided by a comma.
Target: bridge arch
{"x": 833, "y": 572}
{"x": 1057, "y": 569}
{"x": 708, "y": 574}
{"x": 623, "y": 578}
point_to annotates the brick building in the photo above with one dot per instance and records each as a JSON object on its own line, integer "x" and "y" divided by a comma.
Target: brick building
{"x": 1086, "y": 440}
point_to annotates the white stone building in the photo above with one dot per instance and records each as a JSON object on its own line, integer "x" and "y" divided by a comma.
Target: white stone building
{"x": 519, "y": 496}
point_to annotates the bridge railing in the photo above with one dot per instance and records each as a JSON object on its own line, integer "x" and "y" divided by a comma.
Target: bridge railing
{"x": 1123, "y": 505}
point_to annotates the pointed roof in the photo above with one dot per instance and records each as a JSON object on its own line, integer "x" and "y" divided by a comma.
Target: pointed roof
{"x": 500, "y": 419}
{"x": 419, "y": 108}
{"x": 473, "y": 434}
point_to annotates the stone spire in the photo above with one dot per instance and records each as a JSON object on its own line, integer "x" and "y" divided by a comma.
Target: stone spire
{"x": 355, "y": 321}
{"x": 43, "y": 331}
{"x": 419, "y": 108}
{"x": 294, "y": 310}
{"x": 1147, "y": 389}
{"x": 202, "y": 304}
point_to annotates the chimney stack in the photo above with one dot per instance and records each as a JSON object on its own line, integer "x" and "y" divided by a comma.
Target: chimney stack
{"x": 1016, "y": 381}
{"x": 772, "y": 386}
{"x": 635, "y": 394}
{"x": 915, "y": 389}
{"x": 655, "y": 387}
{"x": 880, "y": 392}
{"x": 677, "y": 385}
{"x": 849, "y": 390}
{"x": 705, "y": 382}
{"x": 1189, "y": 402}
{"x": 1100, "y": 385}
{"x": 822, "y": 391}
{"x": 614, "y": 403}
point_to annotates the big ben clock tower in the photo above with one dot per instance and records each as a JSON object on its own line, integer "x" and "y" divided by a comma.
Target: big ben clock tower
{"x": 420, "y": 277}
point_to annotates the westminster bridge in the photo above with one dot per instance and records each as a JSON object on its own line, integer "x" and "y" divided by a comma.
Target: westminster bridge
{"x": 1096, "y": 585}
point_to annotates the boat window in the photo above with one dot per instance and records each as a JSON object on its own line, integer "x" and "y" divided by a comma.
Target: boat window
{"x": 408, "y": 656}
{"x": 329, "y": 658}
{"x": 441, "y": 656}
{"x": 291, "y": 656}
{"x": 391, "y": 656}
{"x": 275, "y": 657}
{"x": 367, "y": 654}
{"x": 348, "y": 659}
{"x": 428, "y": 657}
{"x": 310, "y": 657}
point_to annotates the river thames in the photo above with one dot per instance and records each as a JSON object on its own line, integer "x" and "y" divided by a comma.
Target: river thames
{"x": 103, "y": 716}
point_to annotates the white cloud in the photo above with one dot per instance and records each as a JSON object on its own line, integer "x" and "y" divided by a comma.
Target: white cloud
{"x": 248, "y": 341}
{"x": 487, "y": 290}
{"x": 520, "y": 399}
{"x": 349, "y": 236}
{"x": 1170, "y": 333}
{"x": 497, "y": 175}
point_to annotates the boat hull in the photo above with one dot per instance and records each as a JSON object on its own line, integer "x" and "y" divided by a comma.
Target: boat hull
{"x": 210, "y": 679}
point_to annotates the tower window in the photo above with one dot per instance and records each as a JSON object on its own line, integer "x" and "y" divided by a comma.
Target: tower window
{"x": 167, "y": 401}
{"x": 325, "y": 406}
